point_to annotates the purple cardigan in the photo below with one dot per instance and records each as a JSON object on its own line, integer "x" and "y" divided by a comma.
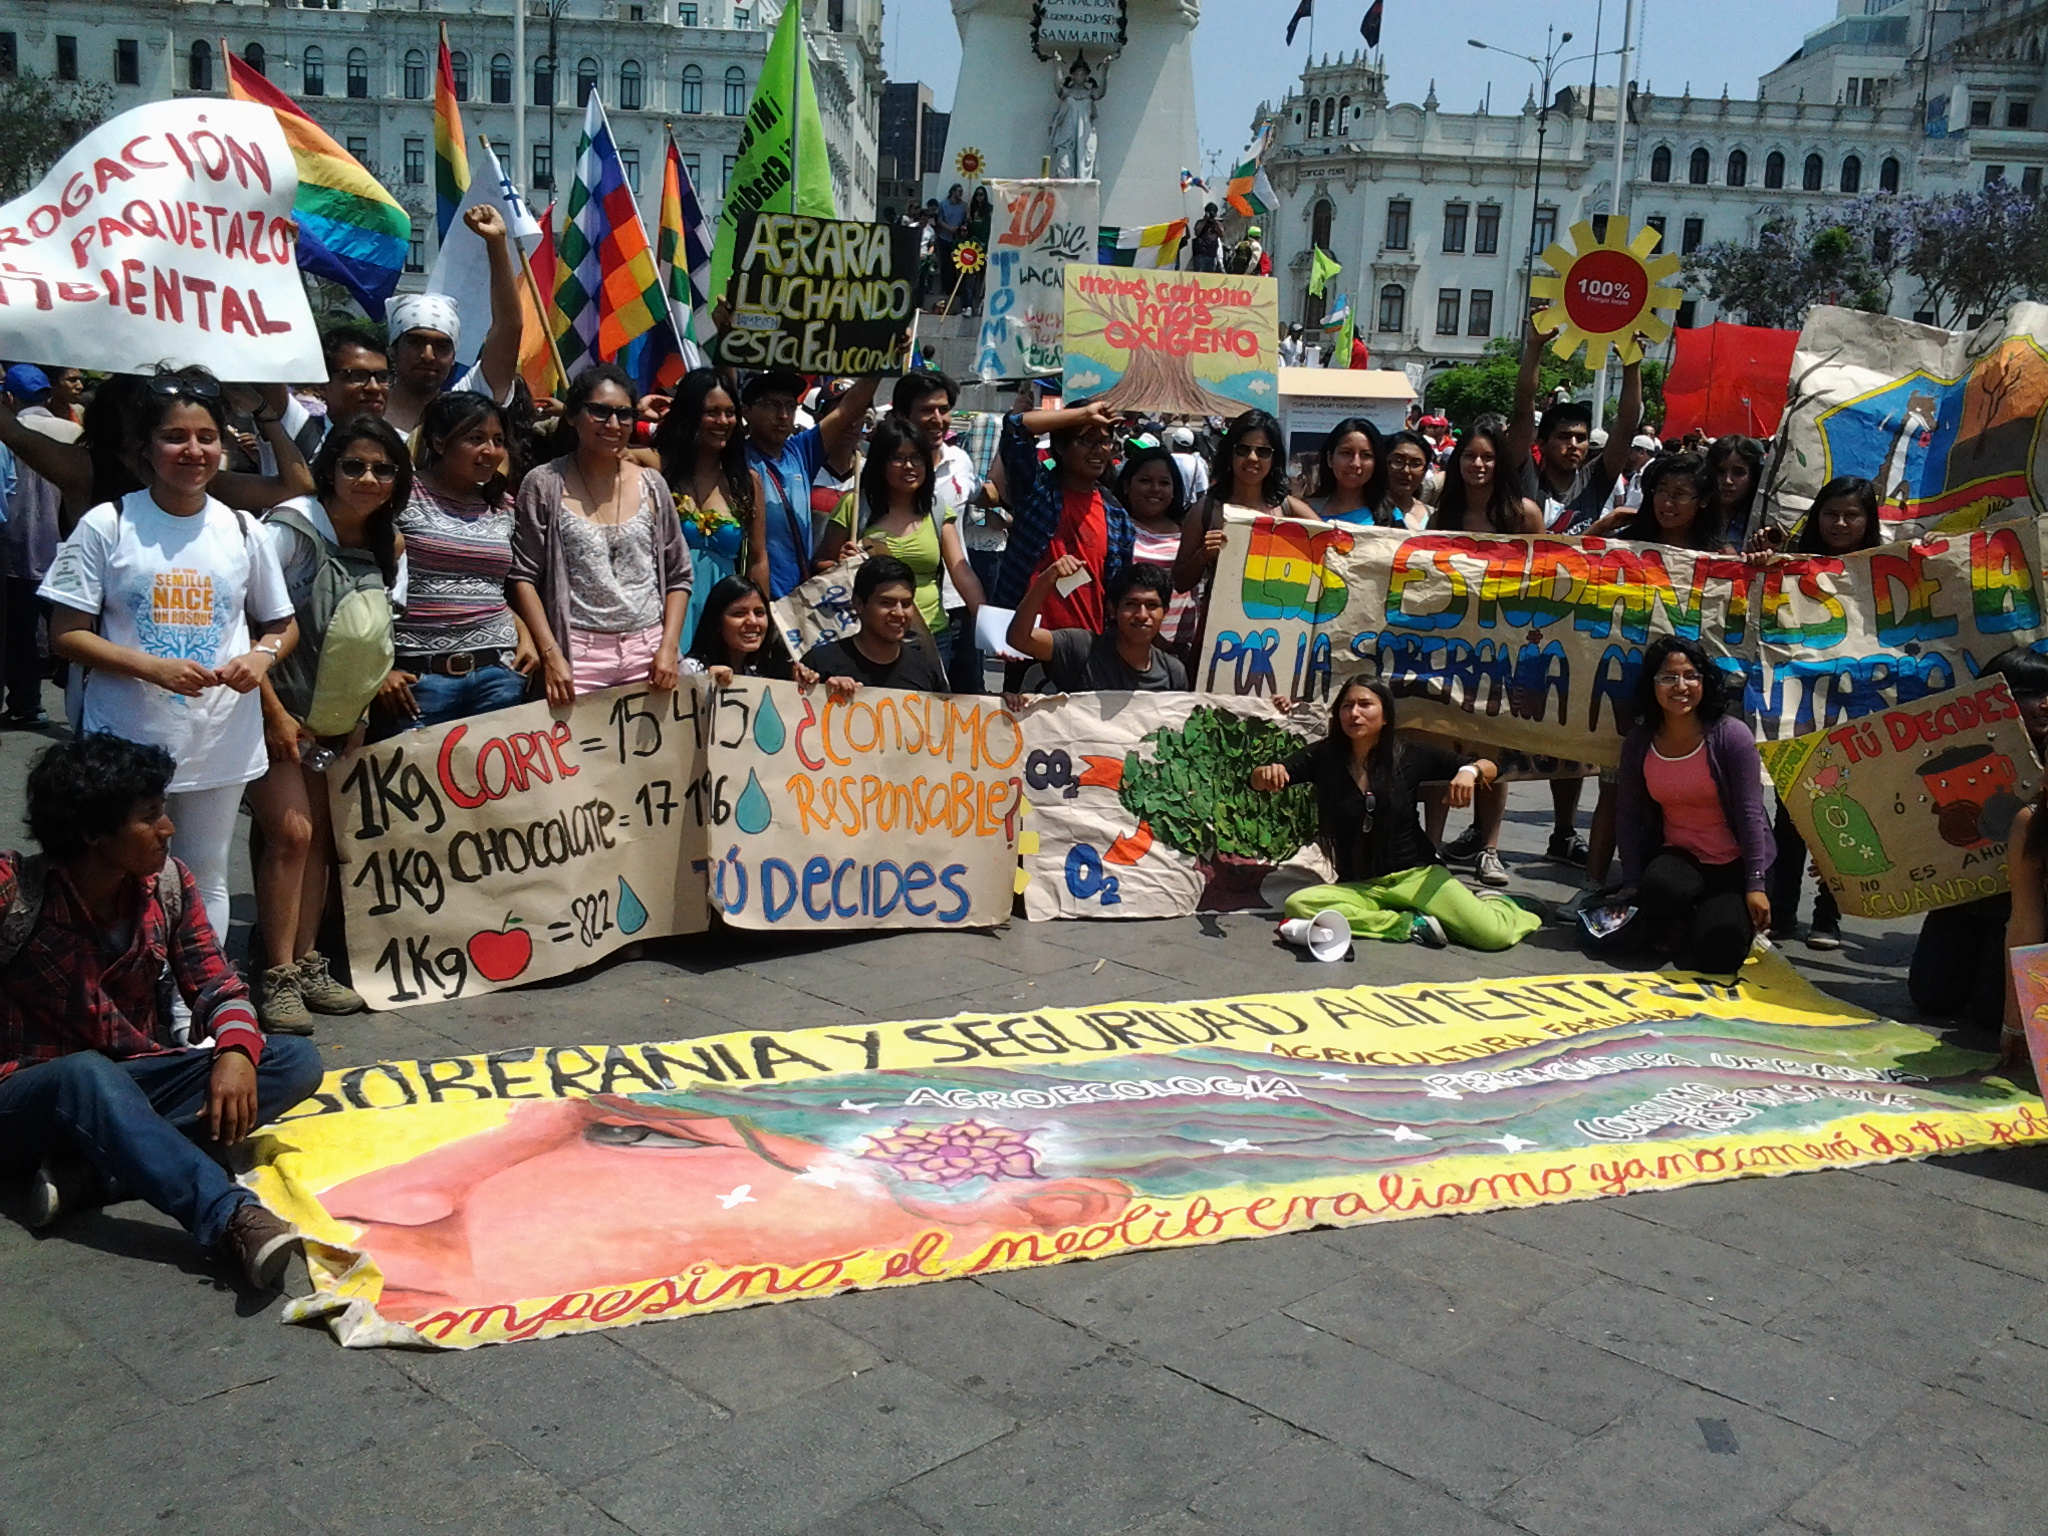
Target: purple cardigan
{"x": 1738, "y": 774}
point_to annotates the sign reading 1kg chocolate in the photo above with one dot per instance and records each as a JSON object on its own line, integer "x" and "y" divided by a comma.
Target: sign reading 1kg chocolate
{"x": 820, "y": 295}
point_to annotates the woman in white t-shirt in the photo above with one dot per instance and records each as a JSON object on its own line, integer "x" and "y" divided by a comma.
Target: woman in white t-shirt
{"x": 157, "y": 595}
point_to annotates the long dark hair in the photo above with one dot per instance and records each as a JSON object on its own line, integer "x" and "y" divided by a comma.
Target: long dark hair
{"x": 1453, "y": 503}
{"x": 381, "y": 528}
{"x": 105, "y": 437}
{"x": 1382, "y": 768}
{"x": 1326, "y": 473}
{"x": 889, "y": 436}
{"x": 708, "y": 644}
{"x": 1713, "y": 685}
{"x": 1705, "y": 532}
{"x": 1751, "y": 452}
{"x": 1153, "y": 453}
{"x": 1807, "y": 541}
{"x": 676, "y": 439}
{"x": 447, "y": 417}
{"x": 1221, "y": 476}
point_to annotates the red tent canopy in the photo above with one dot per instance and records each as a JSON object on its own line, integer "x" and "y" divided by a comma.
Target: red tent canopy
{"x": 1728, "y": 378}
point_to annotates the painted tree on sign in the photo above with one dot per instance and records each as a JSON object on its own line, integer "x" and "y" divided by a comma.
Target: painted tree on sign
{"x": 1120, "y": 315}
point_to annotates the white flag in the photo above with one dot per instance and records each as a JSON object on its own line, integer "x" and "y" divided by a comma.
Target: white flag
{"x": 462, "y": 269}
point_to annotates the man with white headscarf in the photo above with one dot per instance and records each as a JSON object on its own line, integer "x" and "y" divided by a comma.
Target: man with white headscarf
{"x": 426, "y": 334}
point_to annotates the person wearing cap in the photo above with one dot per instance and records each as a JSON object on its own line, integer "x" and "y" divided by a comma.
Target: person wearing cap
{"x": 1194, "y": 470}
{"x": 426, "y": 334}
{"x": 788, "y": 462}
{"x": 1248, "y": 257}
{"x": 1628, "y": 489}
{"x": 1291, "y": 348}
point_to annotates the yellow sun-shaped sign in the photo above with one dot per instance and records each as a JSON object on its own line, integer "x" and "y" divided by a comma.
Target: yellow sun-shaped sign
{"x": 970, "y": 163}
{"x": 1605, "y": 292}
{"x": 968, "y": 256}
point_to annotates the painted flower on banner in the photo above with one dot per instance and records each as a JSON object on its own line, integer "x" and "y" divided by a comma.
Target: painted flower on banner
{"x": 947, "y": 1155}
{"x": 968, "y": 256}
{"x": 970, "y": 163}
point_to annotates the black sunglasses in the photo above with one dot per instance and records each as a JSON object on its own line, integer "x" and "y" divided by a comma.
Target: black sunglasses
{"x": 604, "y": 415}
{"x": 356, "y": 378}
{"x": 382, "y": 471}
{"x": 178, "y": 386}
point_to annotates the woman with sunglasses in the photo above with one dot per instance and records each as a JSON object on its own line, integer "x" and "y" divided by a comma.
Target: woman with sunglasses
{"x": 718, "y": 496}
{"x": 177, "y": 609}
{"x": 460, "y": 650}
{"x": 1696, "y": 848}
{"x": 600, "y": 573}
{"x": 343, "y": 538}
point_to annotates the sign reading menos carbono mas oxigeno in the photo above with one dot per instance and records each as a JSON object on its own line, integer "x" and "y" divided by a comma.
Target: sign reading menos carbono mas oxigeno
{"x": 820, "y": 295}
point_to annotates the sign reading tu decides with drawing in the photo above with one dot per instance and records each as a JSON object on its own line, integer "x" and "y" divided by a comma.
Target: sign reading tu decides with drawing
{"x": 1183, "y": 343}
{"x": 1908, "y": 809}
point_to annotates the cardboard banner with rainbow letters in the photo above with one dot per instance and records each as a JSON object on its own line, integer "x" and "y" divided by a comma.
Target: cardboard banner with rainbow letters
{"x": 1533, "y": 642}
{"x": 577, "y": 1188}
{"x": 1908, "y": 809}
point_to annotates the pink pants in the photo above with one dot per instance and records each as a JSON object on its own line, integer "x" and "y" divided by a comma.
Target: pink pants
{"x": 609, "y": 661}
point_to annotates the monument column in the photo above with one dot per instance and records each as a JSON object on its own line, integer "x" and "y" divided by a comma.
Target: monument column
{"x": 1007, "y": 95}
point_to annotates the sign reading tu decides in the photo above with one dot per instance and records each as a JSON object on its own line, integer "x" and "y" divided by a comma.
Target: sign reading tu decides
{"x": 821, "y": 295}
{"x": 1605, "y": 291}
{"x": 1909, "y": 809}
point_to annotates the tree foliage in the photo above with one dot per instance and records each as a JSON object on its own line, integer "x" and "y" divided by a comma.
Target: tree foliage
{"x": 1973, "y": 253}
{"x": 1789, "y": 269}
{"x": 39, "y": 120}
{"x": 1467, "y": 392}
{"x": 1196, "y": 792}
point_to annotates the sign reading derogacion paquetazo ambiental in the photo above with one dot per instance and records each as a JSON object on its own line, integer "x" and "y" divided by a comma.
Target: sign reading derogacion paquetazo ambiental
{"x": 820, "y": 295}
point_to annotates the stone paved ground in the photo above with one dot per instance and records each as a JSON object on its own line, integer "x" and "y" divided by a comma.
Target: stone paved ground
{"x": 1838, "y": 1352}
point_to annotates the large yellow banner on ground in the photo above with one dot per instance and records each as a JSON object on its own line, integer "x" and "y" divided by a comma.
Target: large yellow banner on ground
{"x": 527, "y": 1193}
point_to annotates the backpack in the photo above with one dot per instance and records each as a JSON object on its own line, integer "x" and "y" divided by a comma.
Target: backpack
{"x": 1241, "y": 259}
{"x": 344, "y": 651}
{"x": 32, "y": 878}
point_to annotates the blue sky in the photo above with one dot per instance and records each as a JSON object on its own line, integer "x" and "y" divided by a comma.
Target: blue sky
{"x": 1241, "y": 58}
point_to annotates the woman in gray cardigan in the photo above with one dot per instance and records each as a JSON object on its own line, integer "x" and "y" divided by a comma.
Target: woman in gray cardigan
{"x": 600, "y": 573}
{"x": 1690, "y": 825}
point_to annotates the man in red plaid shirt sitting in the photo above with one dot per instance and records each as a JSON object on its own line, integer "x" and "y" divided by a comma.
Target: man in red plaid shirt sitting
{"x": 97, "y": 1095}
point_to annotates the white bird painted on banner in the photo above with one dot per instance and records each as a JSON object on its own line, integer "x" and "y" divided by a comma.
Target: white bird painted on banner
{"x": 1510, "y": 1142}
{"x": 824, "y": 1177}
{"x": 742, "y": 1195}
{"x": 1402, "y": 1133}
{"x": 1334, "y": 1077}
{"x": 858, "y": 1109}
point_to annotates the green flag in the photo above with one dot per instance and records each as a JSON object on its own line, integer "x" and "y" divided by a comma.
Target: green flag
{"x": 1340, "y": 348}
{"x": 763, "y": 176}
{"x": 1322, "y": 266}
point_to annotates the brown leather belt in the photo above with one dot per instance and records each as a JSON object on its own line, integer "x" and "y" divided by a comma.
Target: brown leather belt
{"x": 449, "y": 663}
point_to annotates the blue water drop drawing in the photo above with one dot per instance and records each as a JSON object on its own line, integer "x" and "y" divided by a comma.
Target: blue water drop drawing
{"x": 632, "y": 910}
{"x": 753, "y": 812}
{"x": 769, "y": 731}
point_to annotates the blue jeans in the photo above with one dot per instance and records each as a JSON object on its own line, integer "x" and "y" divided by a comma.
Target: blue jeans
{"x": 137, "y": 1121}
{"x": 442, "y": 698}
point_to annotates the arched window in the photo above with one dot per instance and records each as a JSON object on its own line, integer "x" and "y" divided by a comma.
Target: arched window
{"x": 253, "y": 56}
{"x": 358, "y": 73}
{"x": 1852, "y": 173}
{"x": 693, "y": 89}
{"x": 1774, "y": 171}
{"x": 1888, "y": 174}
{"x": 1660, "y": 163}
{"x": 735, "y": 92}
{"x": 1699, "y": 168}
{"x": 313, "y": 73}
{"x": 1738, "y": 168}
{"x": 629, "y": 86}
{"x": 458, "y": 66}
{"x": 501, "y": 78}
{"x": 415, "y": 74}
{"x": 1329, "y": 117}
{"x": 1814, "y": 171}
{"x": 199, "y": 67}
{"x": 1344, "y": 118}
{"x": 586, "y": 80}
{"x": 1319, "y": 223}
{"x": 1315, "y": 119}
{"x": 1393, "y": 308}
{"x": 544, "y": 81}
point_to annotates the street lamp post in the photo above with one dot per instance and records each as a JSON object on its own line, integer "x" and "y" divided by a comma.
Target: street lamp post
{"x": 1547, "y": 67}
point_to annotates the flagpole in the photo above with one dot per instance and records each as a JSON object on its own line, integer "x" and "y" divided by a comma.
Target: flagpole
{"x": 796, "y": 101}
{"x": 540, "y": 304}
{"x": 519, "y": 88}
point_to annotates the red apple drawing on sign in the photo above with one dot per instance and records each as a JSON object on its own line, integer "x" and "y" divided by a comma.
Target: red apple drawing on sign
{"x": 499, "y": 954}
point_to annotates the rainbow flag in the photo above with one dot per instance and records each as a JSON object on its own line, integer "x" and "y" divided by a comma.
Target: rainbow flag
{"x": 607, "y": 291}
{"x": 351, "y": 230}
{"x": 451, "y": 155}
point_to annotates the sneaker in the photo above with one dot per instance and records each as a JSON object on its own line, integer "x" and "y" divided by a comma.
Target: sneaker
{"x": 31, "y": 720}
{"x": 280, "y": 1007}
{"x": 1784, "y": 933}
{"x": 1533, "y": 905}
{"x": 321, "y": 992}
{"x": 1567, "y": 848}
{"x": 63, "y": 1186}
{"x": 1490, "y": 869}
{"x": 261, "y": 1243}
{"x": 1822, "y": 938}
{"x": 1465, "y": 844}
{"x": 1428, "y": 932}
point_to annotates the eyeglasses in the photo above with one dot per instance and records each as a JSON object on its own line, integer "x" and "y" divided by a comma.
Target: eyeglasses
{"x": 383, "y": 471}
{"x": 1672, "y": 492}
{"x": 356, "y": 378}
{"x": 605, "y": 415}
{"x": 180, "y": 386}
{"x": 1254, "y": 451}
{"x": 1676, "y": 679}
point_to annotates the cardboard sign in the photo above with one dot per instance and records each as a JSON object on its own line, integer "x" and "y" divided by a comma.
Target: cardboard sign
{"x": 2030, "y": 985}
{"x": 1533, "y": 642}
{"x": 1908, "y": 809}
{"x": 1039, "y": 227}
{"x": 822, "y": 609}
{"x": 1142, "y": 806}
{"x": 821, "y": 295}
{"x": 163, "y": 235}
{"x": 575, "y": 1188}
{"x": 1185, "y": 343}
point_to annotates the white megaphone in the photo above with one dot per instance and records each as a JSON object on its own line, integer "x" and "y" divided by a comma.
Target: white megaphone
{"x": 1326, "y": 936}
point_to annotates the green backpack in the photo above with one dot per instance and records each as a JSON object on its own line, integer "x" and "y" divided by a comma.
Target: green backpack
{"x": 344, "y": 651}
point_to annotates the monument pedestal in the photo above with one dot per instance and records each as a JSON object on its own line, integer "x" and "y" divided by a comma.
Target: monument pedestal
{"x": 1006, "y": 99}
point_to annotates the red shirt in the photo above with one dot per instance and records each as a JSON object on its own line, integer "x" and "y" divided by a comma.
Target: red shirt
{"x": 70, "y": 990}
{"x": 1083, "y": 532}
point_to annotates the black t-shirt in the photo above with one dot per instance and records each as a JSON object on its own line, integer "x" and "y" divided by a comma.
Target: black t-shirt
{"x": 1390, "y": 839}
{"x": 916, "y": 666}
{"x": 1088, "y": 663}
{"x": 1583, "y": 500}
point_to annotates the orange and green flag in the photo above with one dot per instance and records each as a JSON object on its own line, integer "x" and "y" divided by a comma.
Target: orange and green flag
{"x": 451, "y": 157}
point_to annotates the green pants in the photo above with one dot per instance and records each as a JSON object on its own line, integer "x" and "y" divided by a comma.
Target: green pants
{"x": 1382, "y": 908}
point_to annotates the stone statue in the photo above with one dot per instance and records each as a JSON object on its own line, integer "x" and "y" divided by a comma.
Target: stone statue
{"x": 1073, "y": 122}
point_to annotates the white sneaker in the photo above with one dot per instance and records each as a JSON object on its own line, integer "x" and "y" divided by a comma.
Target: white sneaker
{"x": 1489, "y": 868}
